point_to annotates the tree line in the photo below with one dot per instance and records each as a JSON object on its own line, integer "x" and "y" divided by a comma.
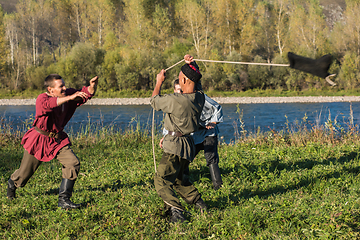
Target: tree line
{"x": 127, "y": 42}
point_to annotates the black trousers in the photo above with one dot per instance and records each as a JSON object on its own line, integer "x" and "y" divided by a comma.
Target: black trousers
{"x": 210, "y": 147}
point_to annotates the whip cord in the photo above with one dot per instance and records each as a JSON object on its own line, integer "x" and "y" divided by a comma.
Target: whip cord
{"x": 202, "y": 60}
{"x": 248, "y": 63}
{"x": 174, "y": 65}
{"x": 153, "y": 136}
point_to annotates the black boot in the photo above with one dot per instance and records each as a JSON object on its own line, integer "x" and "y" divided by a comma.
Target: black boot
{"x": 215, "y": 175}
{"x": 11, "y": 189}
{"x": 200, "y": 204}
{"x": 177, "y": 215}
{"x": 65, "y": 193}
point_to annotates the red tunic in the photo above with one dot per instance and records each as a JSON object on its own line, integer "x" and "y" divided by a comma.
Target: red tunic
{"x": 51, "y": 118}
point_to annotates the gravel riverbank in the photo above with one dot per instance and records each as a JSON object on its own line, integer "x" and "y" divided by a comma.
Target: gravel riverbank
{"x": 221, "y": 100}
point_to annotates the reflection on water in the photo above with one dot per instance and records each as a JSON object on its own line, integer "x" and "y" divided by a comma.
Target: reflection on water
{"x": 248, "y": 117}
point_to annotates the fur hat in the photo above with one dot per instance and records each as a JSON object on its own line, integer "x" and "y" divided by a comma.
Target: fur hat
{"x": 191, "y": 72}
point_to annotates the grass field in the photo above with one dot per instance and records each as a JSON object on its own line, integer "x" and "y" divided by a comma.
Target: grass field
{"x": 277, "y": 185}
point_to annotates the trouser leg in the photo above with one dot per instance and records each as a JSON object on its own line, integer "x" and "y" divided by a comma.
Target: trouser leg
{"x": 212, "y": 160}
{"x": 186, "y": 175}
{"x": 70, "y": 163}
{"x": 169, "y": 176}
{"x": 70, "y": 170}
{"x": 184, "y": 187}
{"x": 27, "y": 168}
{"x": 211, "y": 150}
{"x": 198, "y": 148}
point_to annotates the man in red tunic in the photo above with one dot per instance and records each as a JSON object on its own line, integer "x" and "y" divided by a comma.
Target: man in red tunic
{"x": 46, "y": 140}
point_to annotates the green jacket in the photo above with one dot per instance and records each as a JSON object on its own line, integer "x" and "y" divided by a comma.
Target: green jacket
{"x": 182, "y": 115}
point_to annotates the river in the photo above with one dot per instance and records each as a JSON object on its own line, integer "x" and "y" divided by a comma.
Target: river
{"x": 237, "y": 117}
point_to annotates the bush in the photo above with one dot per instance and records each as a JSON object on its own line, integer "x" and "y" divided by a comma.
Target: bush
{"x": 80, "y": 64}
{"x": 138, "y": 70}
{"x": 259, "y": 75}
{"x": 349, "y": 75}
{"x": 107, "y": 70}
{"x": 278, "y": 77}
{"x": 35, "y": 77}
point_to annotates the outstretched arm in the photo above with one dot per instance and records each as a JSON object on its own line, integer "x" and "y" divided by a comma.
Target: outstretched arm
{"x": 80, "y": 95}
{"x": 76, "y": 96}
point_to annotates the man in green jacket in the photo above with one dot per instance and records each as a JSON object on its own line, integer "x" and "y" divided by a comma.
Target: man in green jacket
{"x": 183, "y": 112}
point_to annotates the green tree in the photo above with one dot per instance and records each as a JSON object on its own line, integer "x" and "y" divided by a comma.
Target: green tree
{"x": 281, "y": 21}
{"x": 136, "y": 27}
{"x": 3, "y": 46}
{"x": 278, "y": 74}
{"x": 18, "y": 54}
{"x": 308, "y": 32}
{"x": 349, "y": 75}
{"x": 80, "y": 18}
{"x": 63, "y": 27}
{"x": 108, "y": 78}
{"x": 35, "y": 77}
{"x": 138, "y": 69}
{"x": 162, "y": 28}
{"x": 346, "y": 34}
{"x": 214, "y": 73}
{"x": 100, "y": 16}
{"x": 223, "y": 22}
{"x": 246, "y": 38}
{"x": 265, "y": 31}
{"x": 259, "y": 75}
{"x": 194, "y": 21}
{"x": 236, "y": 76}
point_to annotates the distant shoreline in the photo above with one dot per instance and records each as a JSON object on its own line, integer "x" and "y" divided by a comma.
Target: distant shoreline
{"x": 220, "y": 100}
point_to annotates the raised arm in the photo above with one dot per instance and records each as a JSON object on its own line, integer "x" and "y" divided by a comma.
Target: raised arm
{"x": 159, "y": 81}
{"x": 80, "y": 95}
{"x": 93, "y": 85}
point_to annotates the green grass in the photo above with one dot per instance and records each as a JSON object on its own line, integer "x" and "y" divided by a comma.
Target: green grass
{"x": 147, "y": 93}
{"x": 300, "y": 185}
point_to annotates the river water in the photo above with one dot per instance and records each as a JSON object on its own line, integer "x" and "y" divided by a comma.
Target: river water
{"x": 237, "y": 117}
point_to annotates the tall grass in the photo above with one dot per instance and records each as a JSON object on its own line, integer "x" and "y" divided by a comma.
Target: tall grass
{"x": 298, "y": 183}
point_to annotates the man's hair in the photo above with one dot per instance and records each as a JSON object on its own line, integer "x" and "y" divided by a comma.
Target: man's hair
{"x": 176, "y": 82}
{"x": 49, "y": 80}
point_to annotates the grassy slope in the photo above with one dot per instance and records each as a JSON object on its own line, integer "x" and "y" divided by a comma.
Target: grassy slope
{"x": 274, "y": 187}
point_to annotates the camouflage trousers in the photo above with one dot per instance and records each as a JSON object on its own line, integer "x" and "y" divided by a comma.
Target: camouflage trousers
{"x": 171, "y": 177}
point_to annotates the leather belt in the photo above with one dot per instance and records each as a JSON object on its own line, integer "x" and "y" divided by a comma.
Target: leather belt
{"x": 49, "y": 134}
{"x": 177, "y": 134}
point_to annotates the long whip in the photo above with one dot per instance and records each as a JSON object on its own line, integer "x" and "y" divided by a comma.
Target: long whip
{"x": 327, "y": 78}
{"x": 152, "y": 137}
{"x": 248, "y": 63}
{"x": 290, "y": 55}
